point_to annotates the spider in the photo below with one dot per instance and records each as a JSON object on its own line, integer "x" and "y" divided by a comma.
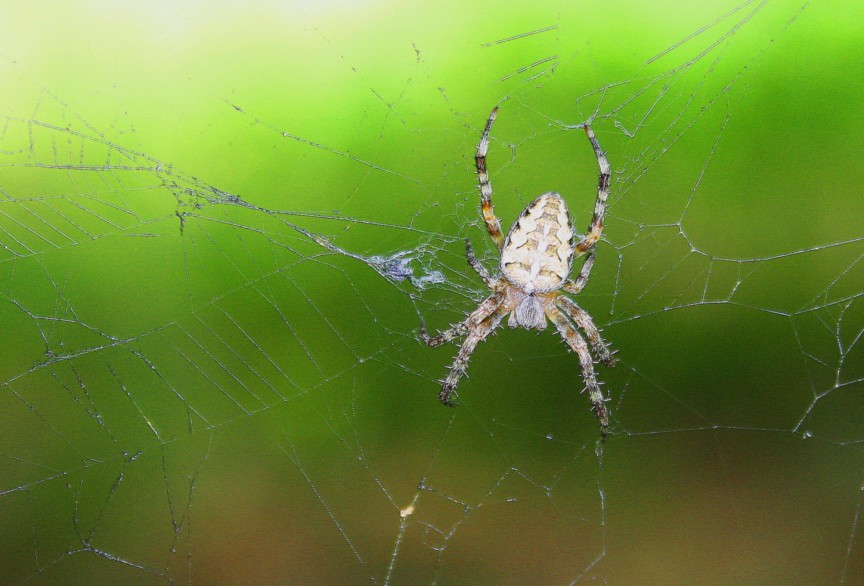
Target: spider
{"x": 535, "y": 262}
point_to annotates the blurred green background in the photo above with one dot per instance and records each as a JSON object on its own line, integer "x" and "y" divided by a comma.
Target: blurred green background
{"x": 194, "y": 390}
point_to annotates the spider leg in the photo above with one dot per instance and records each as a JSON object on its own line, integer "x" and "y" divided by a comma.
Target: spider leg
{"x": 581, "y": 318}
{"x": 493, "y": 224}
{"x": 479, "y": 268}
{"x": 574, "y": 287}
{"x": 577, "y": 343}
{"x": 489, "y": 306}
{"x": 475, "y": 335}
{"x": 596, "y": 227}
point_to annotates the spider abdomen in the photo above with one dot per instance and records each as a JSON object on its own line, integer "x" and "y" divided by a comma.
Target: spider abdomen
{"x": 538, "y": 252}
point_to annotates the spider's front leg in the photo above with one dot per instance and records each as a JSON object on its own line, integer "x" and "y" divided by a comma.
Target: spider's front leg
{"x": 493, "y": 224}
{"x": 596, "y": 227}
{"x": 478, "y": 268}
{"x": 578, "y": 344}
{"x": 574, "y": 287}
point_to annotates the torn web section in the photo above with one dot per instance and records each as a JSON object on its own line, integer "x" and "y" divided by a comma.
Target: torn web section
{"x": 62, "y": 187}
{"x": 123, "y": 356}
{"x": 76, "y": 420}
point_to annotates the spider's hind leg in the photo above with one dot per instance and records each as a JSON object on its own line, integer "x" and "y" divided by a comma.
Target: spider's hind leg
{"x": 581, "y": 318}
{"x": 489, "y": 306}
{"x": 460, "y": 364}
{"x": 578, "y": 344}
{"x": 457, "y": 330}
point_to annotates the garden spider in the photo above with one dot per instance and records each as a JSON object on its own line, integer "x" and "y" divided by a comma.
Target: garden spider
{"x": 535, "y": 263}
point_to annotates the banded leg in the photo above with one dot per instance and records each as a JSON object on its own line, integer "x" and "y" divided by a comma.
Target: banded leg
{"x": 460, "y": 364}
{"x": 581, "y": 318}
{"x": 493, "y": 224}
{"x": 489, "y": 306}
{"x": 578, "y": 344}
{"x": 574, "y": 287}
{"x": 596, "y": 227}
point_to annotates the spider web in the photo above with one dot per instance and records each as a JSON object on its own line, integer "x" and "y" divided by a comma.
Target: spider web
{"x": 221, "y": 229}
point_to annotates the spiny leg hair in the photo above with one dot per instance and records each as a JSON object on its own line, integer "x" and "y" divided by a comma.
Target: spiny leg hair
{"x": 460, "y": 364}
{"x": 489, "y": 306}
{"x": 580, "y": 347}
{"x": 581, "y": 318}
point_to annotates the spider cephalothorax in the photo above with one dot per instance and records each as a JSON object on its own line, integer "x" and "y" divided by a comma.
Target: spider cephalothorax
{"x": 535, "y": 263}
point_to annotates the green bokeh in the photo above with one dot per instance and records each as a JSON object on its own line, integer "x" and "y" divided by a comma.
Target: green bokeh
{"x": 224, "y": 400}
